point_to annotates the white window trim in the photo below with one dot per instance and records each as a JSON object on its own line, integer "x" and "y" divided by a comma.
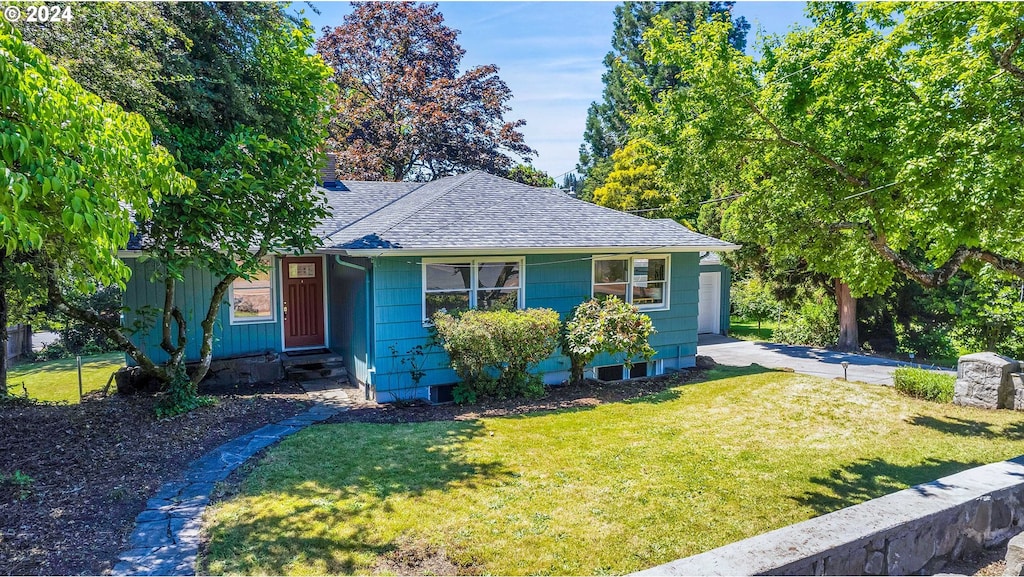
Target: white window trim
{"x": 473, "y": 281}
{"x": 655, "y": 367}
{"x": 273, "y": 301}
{"x": 664, "y": 306}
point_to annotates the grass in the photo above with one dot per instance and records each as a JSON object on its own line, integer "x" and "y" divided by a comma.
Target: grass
{"x": 747, "y": 330}
{"x": 58, "y": 380}
{"x": 612, "y": 489}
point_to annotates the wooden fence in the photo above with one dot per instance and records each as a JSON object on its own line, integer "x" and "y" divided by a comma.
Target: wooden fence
{"x": 19, "y": 341}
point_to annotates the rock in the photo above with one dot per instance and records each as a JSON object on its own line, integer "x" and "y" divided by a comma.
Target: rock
{"x": 705, "y": 362}
{"x": 1015, "y": 556}
{"x": 131, "y": 380}
{"x": 983, "y": 381}
{"x": 1017, "y": 380}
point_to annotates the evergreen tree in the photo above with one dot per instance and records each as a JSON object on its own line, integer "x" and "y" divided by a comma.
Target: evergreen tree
{"x": 607, "y": 128}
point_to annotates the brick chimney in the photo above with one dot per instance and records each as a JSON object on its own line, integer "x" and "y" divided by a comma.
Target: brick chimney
{"x": 329, "y": 172}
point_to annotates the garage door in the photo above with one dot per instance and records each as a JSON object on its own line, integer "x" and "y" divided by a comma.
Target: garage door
{"x": 709, "y": 308}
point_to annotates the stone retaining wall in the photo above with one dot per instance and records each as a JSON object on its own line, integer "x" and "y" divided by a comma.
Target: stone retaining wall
{"x": 264, "y": 368}
{"x": 908, "y": 532}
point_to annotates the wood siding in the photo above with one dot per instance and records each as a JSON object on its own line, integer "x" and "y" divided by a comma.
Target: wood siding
{"x": 557, "y": 281}
{"x": 348, "y": 315}
{"x": 193, "y": 297}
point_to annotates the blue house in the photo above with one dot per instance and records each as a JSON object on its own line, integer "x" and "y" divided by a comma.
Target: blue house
{"x": 395, "y": 252}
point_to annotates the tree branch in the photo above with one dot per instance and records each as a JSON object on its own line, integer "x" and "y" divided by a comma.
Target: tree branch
{"x": 111, "y": 330}
{"x": 941, "y": 275}
{"x": 839, "y": 168}
{"x": 1004, "y": 59}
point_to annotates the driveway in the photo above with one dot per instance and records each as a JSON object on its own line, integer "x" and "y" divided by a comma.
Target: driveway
{"x": 43, "y": 338}
{"x": 806, "y": 360}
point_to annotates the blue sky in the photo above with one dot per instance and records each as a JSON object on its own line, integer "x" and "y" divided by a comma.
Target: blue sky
{"x": 550, "y": 54}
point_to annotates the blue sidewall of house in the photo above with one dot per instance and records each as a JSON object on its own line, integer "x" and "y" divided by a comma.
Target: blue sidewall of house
{"x": 192, "y": 297}
{"x": 725, "y": 296}
{"x": 349, "y": 314}
{"x": 557, "y": 281}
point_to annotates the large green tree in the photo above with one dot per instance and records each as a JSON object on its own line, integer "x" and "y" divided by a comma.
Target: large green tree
{"x": 74, "y": 171}
{"x": 607, "y": 127}
{"x": 406, "y": 111}
{"x": 883, "y": 139}
{"x": 527, "y": 174}
{"x": 635, "y": 183}
{"x": 242, "y": 104}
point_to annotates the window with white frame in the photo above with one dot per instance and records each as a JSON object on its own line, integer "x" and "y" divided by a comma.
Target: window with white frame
{"x": 252, "y": 301}
{"x": 453, "y": 285}
{"x": 641, "y": 280}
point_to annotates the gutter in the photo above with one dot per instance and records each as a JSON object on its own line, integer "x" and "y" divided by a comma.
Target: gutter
{"x": 486, "y": 251}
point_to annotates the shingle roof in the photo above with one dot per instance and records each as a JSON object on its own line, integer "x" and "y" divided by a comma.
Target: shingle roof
{"x": 485, "y": 212}
{"x": 482, "y": 211}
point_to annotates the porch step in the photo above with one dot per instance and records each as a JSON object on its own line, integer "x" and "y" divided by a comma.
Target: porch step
{"x": 335, "y": 372}
{"x": 314, "y": 359}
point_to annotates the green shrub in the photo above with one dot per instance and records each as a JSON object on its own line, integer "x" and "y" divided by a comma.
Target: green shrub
{"x": 815, "y": 323}
{"x": 929, "y": 385}
{"x": 610, "y": 326}
{"x": 492, "y": 350}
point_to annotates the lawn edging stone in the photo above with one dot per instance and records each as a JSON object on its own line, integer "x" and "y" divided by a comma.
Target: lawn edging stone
{"x": 165, "y": 540}
{"x": 903, "y": 533}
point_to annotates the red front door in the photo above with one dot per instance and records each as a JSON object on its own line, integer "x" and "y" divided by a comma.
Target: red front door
{"x": 303, "y": 302}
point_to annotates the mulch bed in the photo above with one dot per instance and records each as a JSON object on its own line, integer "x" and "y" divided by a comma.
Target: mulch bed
{"x": 588, "y": 394}
{"x": 93, "y": 466}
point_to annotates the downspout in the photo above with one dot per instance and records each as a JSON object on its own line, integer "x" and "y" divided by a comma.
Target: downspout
{"x": 369, "y": 319}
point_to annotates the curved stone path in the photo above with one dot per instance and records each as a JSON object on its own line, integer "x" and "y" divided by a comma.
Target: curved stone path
{"x": 166, "y": 536}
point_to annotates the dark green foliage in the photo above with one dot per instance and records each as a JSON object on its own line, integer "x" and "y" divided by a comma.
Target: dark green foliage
{"x": 492, "y": 351}
{"x": 527, "y": 174}
{"x": 180, "y": 397}
{"x": 923, "y": 384}
{"x": 813, "y": 324}
{"x": 81, "y": 338}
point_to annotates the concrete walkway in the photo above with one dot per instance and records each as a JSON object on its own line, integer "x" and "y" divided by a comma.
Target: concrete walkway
{"x": 165, "y": 540}
{"x": 806, "y": 360}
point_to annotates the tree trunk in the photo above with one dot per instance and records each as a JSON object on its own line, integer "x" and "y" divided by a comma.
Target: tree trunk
{"x": 3, "y": 322}
{"x": 576, "y": 372}
{"x": 206, "y": 348}
{"x": 848, "y": 339}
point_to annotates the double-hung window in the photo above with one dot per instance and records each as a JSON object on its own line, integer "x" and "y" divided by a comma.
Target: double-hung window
{"x": 484, "y": 283}
{"x": 252, "y": 301}
{"x": 642, "y": 281}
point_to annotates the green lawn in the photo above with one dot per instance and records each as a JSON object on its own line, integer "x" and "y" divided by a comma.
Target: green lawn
{"x": 58, "y": 380}
{"x": 611, "y": 489}
{"x": 748, "y": 331}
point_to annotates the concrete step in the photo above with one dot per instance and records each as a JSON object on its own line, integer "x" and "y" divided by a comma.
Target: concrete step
{"x": 315, "y": 366}
{"x": 296, "y": 359}
{"x": 315, "y": 373}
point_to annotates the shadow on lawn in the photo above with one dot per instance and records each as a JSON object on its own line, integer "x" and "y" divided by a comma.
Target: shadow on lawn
{"x": 969, "y": 427}
{"x": 868, "y": 479}
{"x": 337, "y": 492}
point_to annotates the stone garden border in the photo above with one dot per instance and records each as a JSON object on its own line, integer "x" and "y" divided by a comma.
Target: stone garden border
{"x": 166, "y": 536}
{"x": 899, "y": 534}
